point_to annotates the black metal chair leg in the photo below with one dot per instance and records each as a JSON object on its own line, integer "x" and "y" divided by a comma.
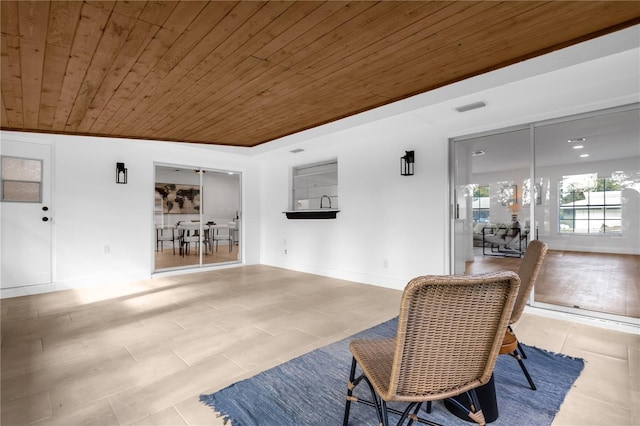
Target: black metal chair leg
{"x": 385, "y": 414}
{"x": 520, "y": 348}
{"x": 517, "y": 356}
{"x": 474, "y": 411}
{"x": 524, "y": 356}
{"x": 477, "y": 414}
{"x": 415, "y": 413}
{"x": 350, "y": 387}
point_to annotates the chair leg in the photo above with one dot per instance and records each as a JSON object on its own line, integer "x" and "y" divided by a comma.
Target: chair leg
{"x": 517, "y": 356}
{"x": 379, "y": 404}
{"x": 524, "y": 356}
{"x": 413, "y": 416}
{"x": 350, "y": 387}
{"x": 520, "y": 348}
{"x": 385, "y": 414}
{"x": 475, "y": 410}
{"x": 477, "y": 415}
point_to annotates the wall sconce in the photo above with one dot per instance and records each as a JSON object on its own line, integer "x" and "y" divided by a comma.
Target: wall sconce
{"x": 121, "y": 173}
{"x": 406, "y": 163}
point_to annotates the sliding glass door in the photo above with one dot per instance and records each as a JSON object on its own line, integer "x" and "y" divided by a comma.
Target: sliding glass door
{"x": 588, "y": 212}
{"x": 573, "y": 183}
{"x": 492, "y": 196}
{"x": 196, "y": 217}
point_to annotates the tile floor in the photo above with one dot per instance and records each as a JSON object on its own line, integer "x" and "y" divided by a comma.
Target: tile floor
{"x": 141, "y": 354}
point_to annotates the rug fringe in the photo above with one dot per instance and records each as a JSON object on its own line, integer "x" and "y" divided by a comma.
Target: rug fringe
{"x": 559, "y": 354}
{"x": 205, "y": 399}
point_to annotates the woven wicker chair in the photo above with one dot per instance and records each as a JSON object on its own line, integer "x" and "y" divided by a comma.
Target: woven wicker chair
{"x": 449, "y": 333}
{"x": 528, "y": 273}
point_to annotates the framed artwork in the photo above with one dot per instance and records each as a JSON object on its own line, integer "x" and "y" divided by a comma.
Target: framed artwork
{"x": 177, "y": 198}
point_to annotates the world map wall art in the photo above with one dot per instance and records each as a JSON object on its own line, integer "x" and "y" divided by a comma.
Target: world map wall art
{"x": 178, "y": 198}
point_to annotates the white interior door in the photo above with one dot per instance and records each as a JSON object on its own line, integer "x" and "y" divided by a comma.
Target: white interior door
{"x": 25, "y": 215}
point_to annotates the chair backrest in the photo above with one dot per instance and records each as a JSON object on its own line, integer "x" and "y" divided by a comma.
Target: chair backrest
{"x": 528, "y": 273}
{"x": 450, "y": 329}
{"x": 190, "y": 225}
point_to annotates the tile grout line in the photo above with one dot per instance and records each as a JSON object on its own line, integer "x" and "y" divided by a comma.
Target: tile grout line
{"x": 186, "y": 422}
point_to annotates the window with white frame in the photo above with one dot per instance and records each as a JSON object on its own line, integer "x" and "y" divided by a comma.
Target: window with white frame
{"x": 315, "y": 186}
{"x": 481, "y": 203}
{"x": 21, "y": 180}
{"x": 589, "y": 205}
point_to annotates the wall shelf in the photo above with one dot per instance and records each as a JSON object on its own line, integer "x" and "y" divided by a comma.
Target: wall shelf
{"x": 312, "y": 214}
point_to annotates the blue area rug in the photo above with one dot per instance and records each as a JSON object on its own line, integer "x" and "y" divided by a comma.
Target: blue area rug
{"x": 311, "y": 390}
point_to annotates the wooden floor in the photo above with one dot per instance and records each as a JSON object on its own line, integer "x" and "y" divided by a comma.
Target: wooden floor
{"x": 166, "y": 257}
{"x": 599, "y": 282}
{"x": 141, "y": 354}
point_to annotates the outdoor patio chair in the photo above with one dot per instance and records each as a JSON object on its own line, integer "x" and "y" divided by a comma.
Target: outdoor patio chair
{"x": 450, "y": 329}
{"x": 528, "y": 273}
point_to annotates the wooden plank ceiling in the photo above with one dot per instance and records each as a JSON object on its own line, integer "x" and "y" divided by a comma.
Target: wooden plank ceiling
{"x": 244, "y": 73}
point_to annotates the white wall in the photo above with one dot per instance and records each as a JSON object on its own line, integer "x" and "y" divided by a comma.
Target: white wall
{"x": 103, "y": 232}
{"x": 390, "y": 228}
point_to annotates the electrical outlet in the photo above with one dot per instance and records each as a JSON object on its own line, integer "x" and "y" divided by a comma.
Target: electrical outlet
{"x": 107, "y": 249}
{"x": 285, "y": 251}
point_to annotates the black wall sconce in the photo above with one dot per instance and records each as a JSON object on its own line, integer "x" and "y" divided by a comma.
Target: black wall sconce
{"x": 406, "y": 163}
{"x": 121, "y": 173}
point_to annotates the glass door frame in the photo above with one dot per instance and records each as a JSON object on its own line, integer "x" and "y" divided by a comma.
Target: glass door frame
{"x": 200, "y": 264}
{"x": 454, "y": 207}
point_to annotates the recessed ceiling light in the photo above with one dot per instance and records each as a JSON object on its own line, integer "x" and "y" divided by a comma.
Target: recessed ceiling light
{"x": 469, "y": 107}
{"x": 578, "y": 146}
{"x": 297, "y": 150}
{"x": 477, "y": 153}
{"x": 574, "y": 140}
{"x": 584, "y": 155}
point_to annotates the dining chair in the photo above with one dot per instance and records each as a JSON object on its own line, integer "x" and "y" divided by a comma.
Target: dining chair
{"x": 225, "y": 235}
{"x": 528, "y": 273}
{"x": 189, "y": 233}
{"x": 449, "y": 333}
{"x": 166, "y": 233}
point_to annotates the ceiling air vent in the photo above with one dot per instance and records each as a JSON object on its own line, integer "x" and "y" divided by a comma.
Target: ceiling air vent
{"x": 475, "y": 105}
